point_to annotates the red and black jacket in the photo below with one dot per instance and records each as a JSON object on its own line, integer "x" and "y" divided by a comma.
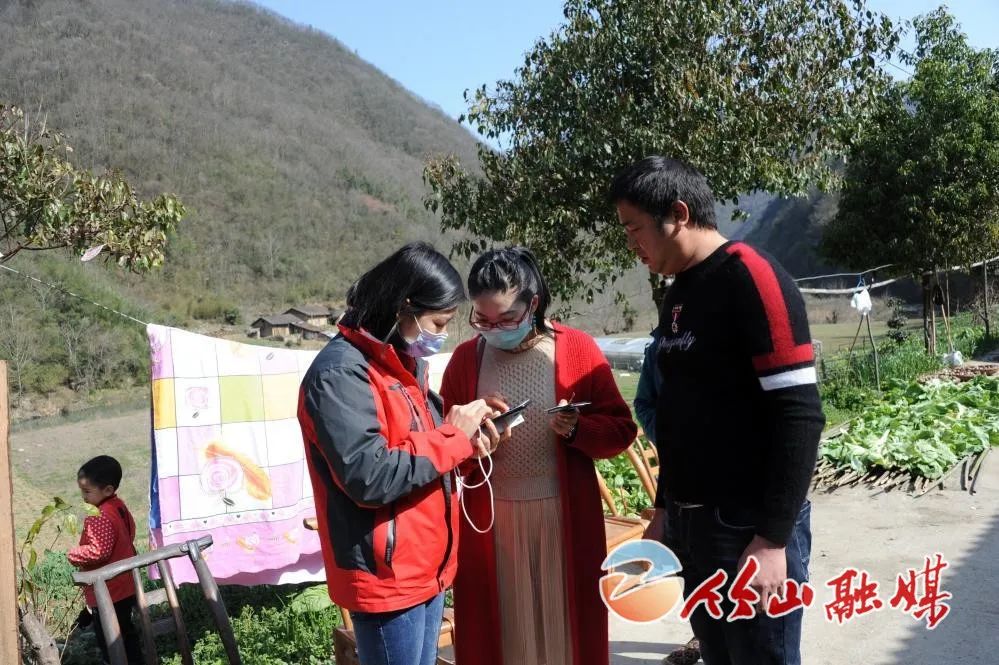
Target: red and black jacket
{"x": 381, "y": 464}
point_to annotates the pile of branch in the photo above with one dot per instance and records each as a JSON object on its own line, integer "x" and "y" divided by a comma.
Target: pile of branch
{"x": 828, "y": 477}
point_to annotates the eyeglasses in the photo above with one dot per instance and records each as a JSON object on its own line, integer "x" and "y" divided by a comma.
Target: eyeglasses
{"x": 485, "y": 326}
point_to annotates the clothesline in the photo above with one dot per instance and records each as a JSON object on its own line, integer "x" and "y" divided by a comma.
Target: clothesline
{"x": 878, "y": 285}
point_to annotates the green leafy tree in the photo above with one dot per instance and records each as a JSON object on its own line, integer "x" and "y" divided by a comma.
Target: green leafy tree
{"x": 47, "y": 203}
{"x": 921, "y": 188}
{"x": 759, "y": 95}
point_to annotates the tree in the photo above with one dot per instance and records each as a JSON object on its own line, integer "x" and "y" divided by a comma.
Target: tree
{"x": 759, "y": 95}
{"x": 47, "y": 203}
{"x": 18, "y": 345}
{"x": 921, "y": 188}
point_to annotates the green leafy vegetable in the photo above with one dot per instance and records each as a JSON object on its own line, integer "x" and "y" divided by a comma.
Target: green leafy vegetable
{"x": 924, "y": 429}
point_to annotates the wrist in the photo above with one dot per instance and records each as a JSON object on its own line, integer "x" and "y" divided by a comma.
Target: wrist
{"x": 762, "y": 542}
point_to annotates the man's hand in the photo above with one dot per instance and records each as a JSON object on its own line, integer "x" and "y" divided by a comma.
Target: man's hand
{"x": 770, "y": 578}
{"x": 656, "y": 530}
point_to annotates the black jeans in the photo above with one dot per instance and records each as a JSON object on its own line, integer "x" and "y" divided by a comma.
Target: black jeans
{"x": 707, "y": 539}
{"x": 123, "y": 610}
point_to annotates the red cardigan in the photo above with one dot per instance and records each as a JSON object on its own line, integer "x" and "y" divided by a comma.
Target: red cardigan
{"x": 605, "y": 429}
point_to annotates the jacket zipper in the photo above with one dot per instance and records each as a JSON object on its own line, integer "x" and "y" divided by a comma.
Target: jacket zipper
{"x": 390, "y": 537}
{"x": 446, "y": 488}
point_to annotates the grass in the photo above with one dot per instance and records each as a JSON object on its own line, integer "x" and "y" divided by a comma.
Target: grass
{"x": 836, "y": 337}
{"x": 44, "y": 461}
{"x": 839, "y": 336}
{"x": 627, "y": 383}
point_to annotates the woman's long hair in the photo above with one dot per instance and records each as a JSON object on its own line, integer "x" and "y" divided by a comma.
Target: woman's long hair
{"x": 500, "y": 270}
{"x": 415, "y": 279}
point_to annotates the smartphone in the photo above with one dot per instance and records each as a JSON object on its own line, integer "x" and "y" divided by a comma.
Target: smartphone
{"x": 575, "y": 406}
{"x": 511, "y": 417}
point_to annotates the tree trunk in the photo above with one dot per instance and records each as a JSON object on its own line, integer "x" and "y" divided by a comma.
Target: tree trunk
{"x": 933, "y": 327}
{"x": 985, "y": 286}
{"x": 927, "y": 308}
{"x": 934, "y": 289}
{"x": 40, "y": 645}
{"x": 950, "y": 312}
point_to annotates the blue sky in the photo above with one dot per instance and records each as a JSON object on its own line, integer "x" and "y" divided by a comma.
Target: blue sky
{"x": 440, "y": 48}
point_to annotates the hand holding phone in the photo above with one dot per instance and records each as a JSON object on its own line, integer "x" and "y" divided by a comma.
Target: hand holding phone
{"x": 511, "y": 418}
{"x": 565, "y": 417}
{"x": 574, "y": 406}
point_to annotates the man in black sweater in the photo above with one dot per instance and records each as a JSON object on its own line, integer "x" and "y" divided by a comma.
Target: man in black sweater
{"x": 738, "y": 417}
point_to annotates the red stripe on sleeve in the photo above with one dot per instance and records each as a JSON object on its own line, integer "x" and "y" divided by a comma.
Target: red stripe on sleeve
{"x": 803, "y": 353}
{"x": 785, "y": 351}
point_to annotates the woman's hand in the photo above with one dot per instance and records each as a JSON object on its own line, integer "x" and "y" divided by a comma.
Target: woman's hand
{"x": 487, "y": 439}
{"x": 498, "y": 402}
{"x": 468, "y": 417}
{"x": 474, "y": 420}
{"x": 564, "y": 422}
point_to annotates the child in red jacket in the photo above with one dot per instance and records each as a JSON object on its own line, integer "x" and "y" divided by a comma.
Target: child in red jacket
{"x": 107, "y": 538}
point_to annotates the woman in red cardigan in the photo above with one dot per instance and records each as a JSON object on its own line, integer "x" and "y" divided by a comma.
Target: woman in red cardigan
{"x": 527, "y": 588}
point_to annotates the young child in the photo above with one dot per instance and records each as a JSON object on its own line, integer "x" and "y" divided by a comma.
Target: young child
{"x": 108, "y": 538}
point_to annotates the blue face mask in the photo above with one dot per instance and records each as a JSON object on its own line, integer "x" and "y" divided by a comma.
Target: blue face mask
{"x": 508, "y": 340}
{"x": 425, "y": 344}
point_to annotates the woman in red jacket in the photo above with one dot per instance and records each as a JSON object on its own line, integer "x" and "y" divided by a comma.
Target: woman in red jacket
{"x": 527, "y": 590}
{"x": 381, "y": 451}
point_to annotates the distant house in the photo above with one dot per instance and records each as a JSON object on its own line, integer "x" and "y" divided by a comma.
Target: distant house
{"x": 271, "y": 326}
{"x": 307, "y": 331}
{"x": 315, "y": 315}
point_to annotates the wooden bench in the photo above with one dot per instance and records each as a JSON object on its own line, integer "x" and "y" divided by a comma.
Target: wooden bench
{"x": 168, "y": 594}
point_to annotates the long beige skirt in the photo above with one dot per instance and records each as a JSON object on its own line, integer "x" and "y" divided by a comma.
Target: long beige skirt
{"x": 530, "y": 567}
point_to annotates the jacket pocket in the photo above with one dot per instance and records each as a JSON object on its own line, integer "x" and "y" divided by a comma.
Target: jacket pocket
{"x": 738, "y": 519}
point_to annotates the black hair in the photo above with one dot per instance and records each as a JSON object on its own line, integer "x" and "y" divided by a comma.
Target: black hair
{"x": 101, "y": 471}
{"x": 655, "y": 183}
{"x": 500, "y": 270}
{"x": 415, "y": 279}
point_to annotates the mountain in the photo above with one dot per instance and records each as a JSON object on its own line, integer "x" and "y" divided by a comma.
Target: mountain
{"x": 790, "y": 229}
{"x": 300, "y": 165}
{"x": 300, "y": 162}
